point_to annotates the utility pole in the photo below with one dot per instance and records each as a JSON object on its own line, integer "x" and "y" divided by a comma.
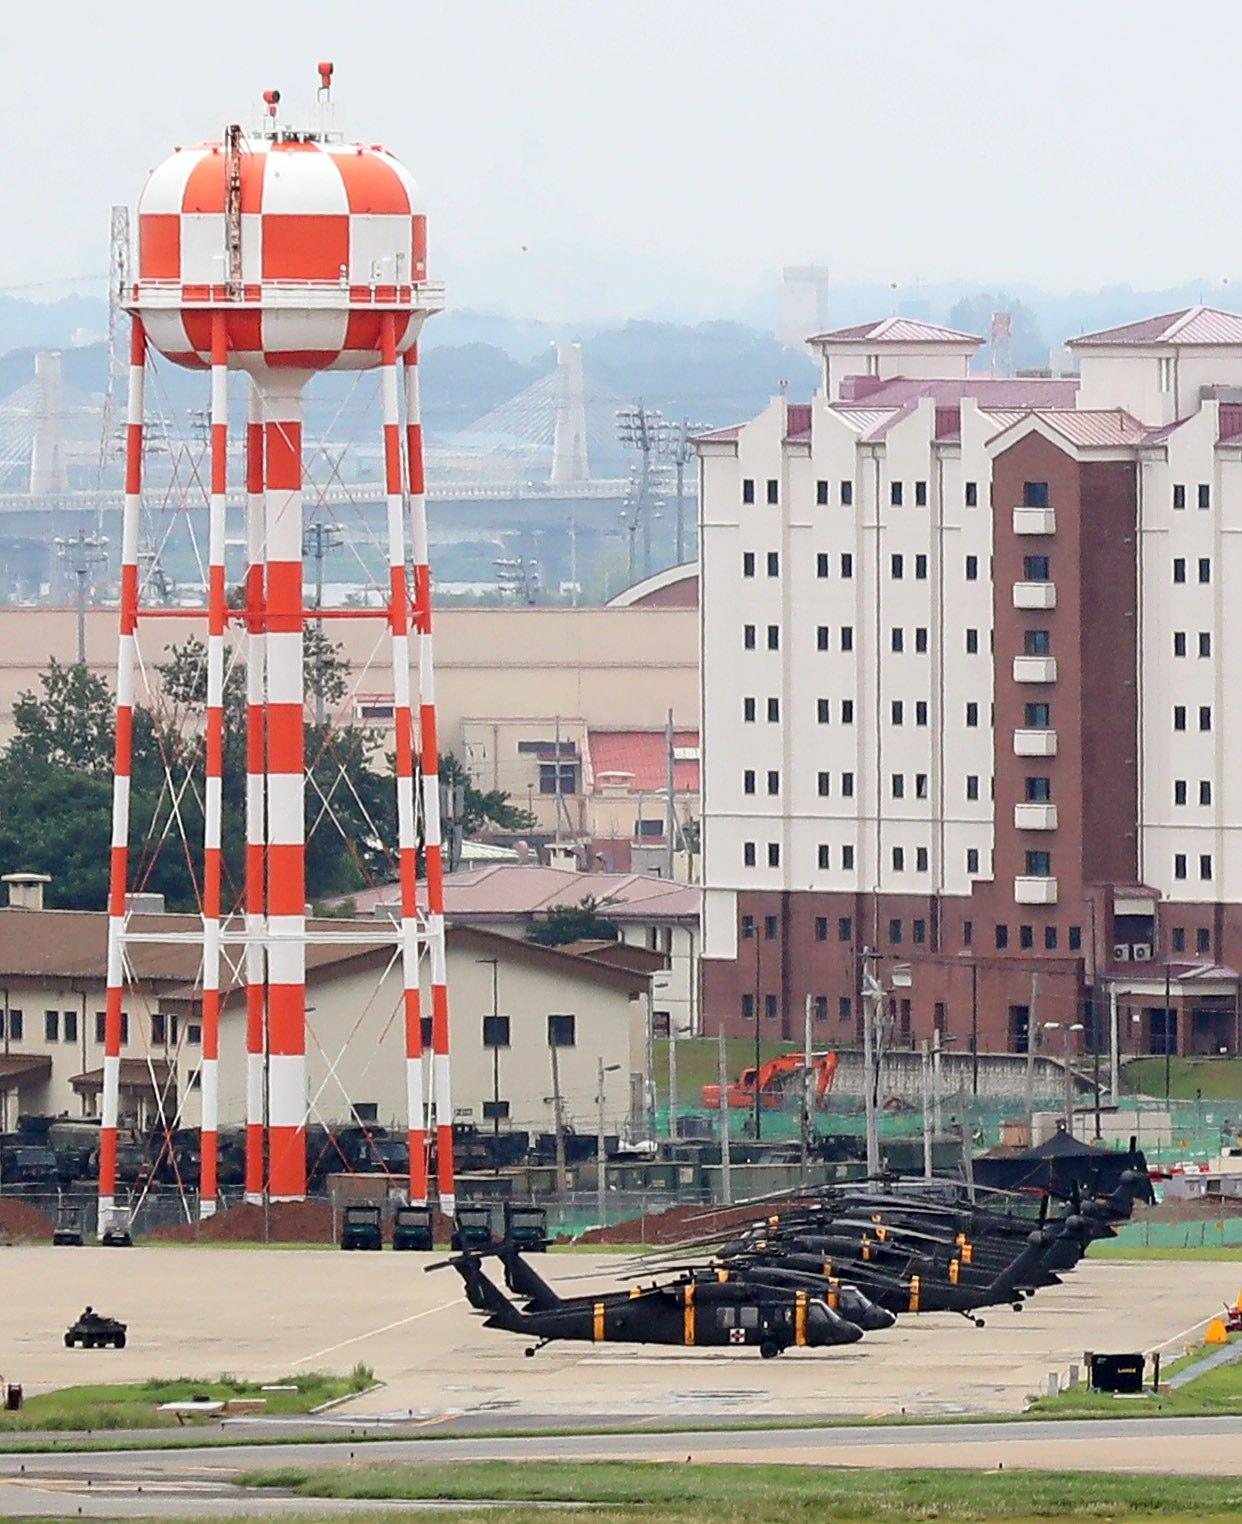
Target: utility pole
{"x": 672, "y": 1076}
{"x": 1032, "y": 1038}
{"x": 679, "y": 447}
{"x": 670, "y": 812}
{"x": 601, "y": 1181}
{"x": 726, "y": 1156}
{"x": 758, "y": 981}
{"x": 1168, "y": 1032}
{"x": 318, "y": 540}
{"x": 495, "y": 963}
{"x": 937, "y": 1118}
{"x": 807, "y": 1078}
{"x": 646, "y": 430}
{"x": 1114, "y": 1047}
{"x": 927, "y": 1117}
{"x": 974, "y": 1029}
{"x": 562, "y": 1183}
{"x": 78, "y": 554}
{"x": 873, "y": 996}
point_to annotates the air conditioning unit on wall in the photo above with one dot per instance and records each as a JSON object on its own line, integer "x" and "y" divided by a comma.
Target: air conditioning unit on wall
{"x": 1141, "y": 952}
{"x": 1121, "y": 952}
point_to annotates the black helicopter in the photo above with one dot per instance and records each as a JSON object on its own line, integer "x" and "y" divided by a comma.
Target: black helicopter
{"x": 697, "y": 1311}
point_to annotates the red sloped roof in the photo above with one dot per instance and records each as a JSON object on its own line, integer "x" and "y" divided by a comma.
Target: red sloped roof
{"x": 643, "y": 753}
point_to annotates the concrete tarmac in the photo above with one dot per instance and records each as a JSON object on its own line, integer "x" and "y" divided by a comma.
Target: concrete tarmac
{"x": 267, "y": 1315}
{"x": 197, "y": 1483}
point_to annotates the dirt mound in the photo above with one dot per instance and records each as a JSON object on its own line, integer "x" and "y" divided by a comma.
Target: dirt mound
{"x": 288, "y": 1222}
{"x": 19, "y": 1220}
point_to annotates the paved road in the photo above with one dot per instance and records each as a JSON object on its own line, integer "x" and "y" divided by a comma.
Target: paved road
{"x": 197, "y": 1482}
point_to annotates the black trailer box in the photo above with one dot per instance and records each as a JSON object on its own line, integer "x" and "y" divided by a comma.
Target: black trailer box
{"x": 1116, "y": 1373}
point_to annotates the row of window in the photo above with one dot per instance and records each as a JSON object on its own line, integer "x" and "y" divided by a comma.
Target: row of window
{"x": 1203, "y": 939}
{"x": 562, "y": 1032}
{"x": 823, "y": 859}
{"x": 1204, "y": 568}
{"x": 1180, "y": 867}
{"x": 1204, "y": 495}
{"x": 918, "y": 933}
{"x": 819, "y": 1008}
{"x": 1179, "y": 643}
{"x": 750, "y": 856}
{"x": 1180, "y": 791}
{"x": 61, "y": 1026}
{"x": 1179, "y": 717}
{"x": 1038, "y": 716}
{"x": 823, "y": 783}
{"x": 896, "y": 493}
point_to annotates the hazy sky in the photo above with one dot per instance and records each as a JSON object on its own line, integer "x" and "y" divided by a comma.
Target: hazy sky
{"x": 669, "y": 156}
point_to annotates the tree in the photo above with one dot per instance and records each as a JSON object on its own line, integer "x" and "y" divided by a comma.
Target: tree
{"x": 572, "y": 923}
{"x": 484, "y": 808}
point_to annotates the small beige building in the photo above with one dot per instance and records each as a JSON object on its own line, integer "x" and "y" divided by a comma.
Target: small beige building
{"x": 52, "y": 981}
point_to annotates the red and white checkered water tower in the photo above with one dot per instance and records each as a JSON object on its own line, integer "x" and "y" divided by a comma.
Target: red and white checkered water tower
{"x": 281, "y": 252}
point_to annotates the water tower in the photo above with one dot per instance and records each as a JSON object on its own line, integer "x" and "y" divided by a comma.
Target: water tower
{"x": 278, "y": 253}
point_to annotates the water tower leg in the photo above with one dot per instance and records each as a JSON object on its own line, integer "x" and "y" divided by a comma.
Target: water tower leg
{"x": 119, "y": 861}
{"x": 442, "y": 1089}
{"x": 214, "y": 770}
{"x": 256, "y": 764}
{"x": 403, "y": 725}
{"x": 286, "y": 830}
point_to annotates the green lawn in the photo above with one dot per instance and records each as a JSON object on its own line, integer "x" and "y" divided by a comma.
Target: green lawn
{"x": 1108, "y": 1248}
{"x": 767, "y": 1494}
{"x": 1219, "y": 1079}
{"x": 698, "y": 1063}
{"x": 135, "y": 1405}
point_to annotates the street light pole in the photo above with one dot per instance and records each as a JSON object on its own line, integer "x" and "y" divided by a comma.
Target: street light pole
{"x": 495, "y": 963}
{"x": 1168, "y": 1033}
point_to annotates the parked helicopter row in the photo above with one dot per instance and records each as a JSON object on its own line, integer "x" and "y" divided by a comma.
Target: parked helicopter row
{"x": 825, "y": 1268}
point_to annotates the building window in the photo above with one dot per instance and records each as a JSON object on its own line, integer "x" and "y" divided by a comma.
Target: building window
{"x": 101, "y": 1023}
{"x": 748, "y": 928}
{"x": 1205, "y": 643}
{"x": 159, "y": 1030}
{"x": 1179, "y": 865}
{"x": 1075, "y": 939}
{"x": 748, "y": 563}
{"x": 847, "y": 858}
{"x": 1205, "y": 495}
{"x": 1205, "y": 717}
{"x": 920, "y": 568}
{"x": 774, "y": 781}
{"x": 1165, "y": 370}
{"x": 69, "y": 1027}
{"x": 1038, "y": 790}
{"x": 769, "y": 1007}
{"x": 1179, "y": 791}
{"x": 748, "y": 854}
{"x": 898, "y": 639}
{"x": 898, "y": 786}
{"x": 1035, "y": 568}
{"x": 822, "y": 785}
{"x": 1002, "y": 937}
{"x": 774, "y": 854}
{"x": 51, "y": 1026}
{"x": 821, "y": 1008}
{"x": 920, "y": 785}
{"x": 561, "y": 1032}
{"x": 920, "y": 494}
{"x": 774, "y": 563}
{"x": 1037, "y": 642}
{"x": 823, "y": 858}
{"x": 773, "y": 490}
{"x": 1039, "y": 864}
{"x": 748, "y": 711}
{"x": 845, "y": 1008}
{"x": 1179, "y": 569}
{"x": 894, "y": 494}
{"x": 918, "y": 933}
{"x": 1205, "y": 865}
{"x": 774, "y": 637}
{"x": 920, "y": 859}
{"x": 1179, "y": 716}
{"x": 748, "y": 489}
{"x": 774, "y": 711}
{"x": 1034, "y": 494}
{"x": 495, "y": 1031}
{"x": 898, "y": 567}
{"x": 845, "y": 928}
{"x": 972, "y": 568}
{"x": 771, "y": 928}
{"x": 972, "y": 785}
{"x": 972, "y": 715}
{"x": 1205, "y": 791}
{"x": 821, "y": 928}
{"x": 920, "y": 712}
{"x": 1179, "y": 939}
{"x": 821, "y": 494}
{"x": 748, "y": 637}
{"x": 968, "y": 934}
{"x": 748, "y": 1007}
{"x": 821, "y": 637}
{"x": 847, "y": 637}
{"x": 847, "y": 785}
{"x": 847, "y": 494}
{"x": 822, "y": 711}
{"x": 899, "y": 859}
{"x": 1205, "y": 569}
{"x": 194, "y": 1034}
{"x": 847, "y": 711}
{"x": 1203, "y": 940}
{"x": 972, "y": 494}
{"x": 972, "y": 642}
{"x": 1038, "y": 716}
{"x": 1179, "y": 494}
{"x": 1026, "y": 937}
{"x": 1050, "y": 939}
{"x": 898, "y": 712}
{"x": 558, "y": 779}
{"x": 821, "y": 564}
{"x": 894, "y": 933}
{"x": 920, "y": 640}
{"x": 847, "y": 564}
{"x": 1179, "y": 642}
{"x": 748, "y": 781}
{"x": 972, "y": 860}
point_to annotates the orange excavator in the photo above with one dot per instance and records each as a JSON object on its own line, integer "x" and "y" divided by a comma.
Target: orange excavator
{"x": 776, "y": 1082}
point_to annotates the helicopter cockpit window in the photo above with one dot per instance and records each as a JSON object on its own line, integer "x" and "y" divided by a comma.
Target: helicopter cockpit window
{"x": 748, "y": 1317}
{"x": 726, "y": 1317}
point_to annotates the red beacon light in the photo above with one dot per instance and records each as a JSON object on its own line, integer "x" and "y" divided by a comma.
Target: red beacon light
{"x": 271, "y": 99}
{"x": 325, "y": 78}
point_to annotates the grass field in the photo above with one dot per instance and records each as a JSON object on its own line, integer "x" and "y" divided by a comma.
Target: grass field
{"x": 698, "y": 1063}
{"x": 1218, "y": 1079}
{"x": 135, "y": 1405}
{"x": 1105, "y": 1248}
{"x": 628, "y": 1491}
